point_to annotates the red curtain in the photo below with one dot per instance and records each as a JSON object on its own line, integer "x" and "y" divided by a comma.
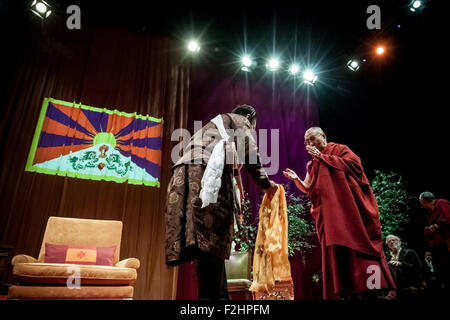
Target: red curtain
{"x": 111, "y": 68}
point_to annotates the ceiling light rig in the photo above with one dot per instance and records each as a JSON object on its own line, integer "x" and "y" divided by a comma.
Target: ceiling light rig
{"x": 248, "y": 61}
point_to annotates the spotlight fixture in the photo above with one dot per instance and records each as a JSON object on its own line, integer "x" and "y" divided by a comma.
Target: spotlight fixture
{"x": 309, "y": 77}
{"x": 41, "y": 9}
{"x": 246, "y": 63}
{"x": 294, "y": 69}
{"x": 193, "y": 46}
{"x": 273, "y": 64}
{"x": 415, "y": 5}
{"x": 353, "y": 65}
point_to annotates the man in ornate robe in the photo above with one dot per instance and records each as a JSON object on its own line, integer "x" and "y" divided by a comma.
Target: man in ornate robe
{"x": 203, "y": 232}
{"x": 347, "y": 220}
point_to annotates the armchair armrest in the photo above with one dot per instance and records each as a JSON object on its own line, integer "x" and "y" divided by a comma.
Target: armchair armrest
{"x": 22, "y": 258}
{"x": 129, "y": 263}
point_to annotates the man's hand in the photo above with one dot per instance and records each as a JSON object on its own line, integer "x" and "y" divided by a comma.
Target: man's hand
{"x": 313, "y": 151}
{"x": 290, "y": 174}
{"x": 432, "y": 228}
{"x": 395, "y": 263}
{"x": 271, "y": 190}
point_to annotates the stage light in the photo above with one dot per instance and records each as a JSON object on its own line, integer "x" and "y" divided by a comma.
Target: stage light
{"x": 380, "y": 50}
{"x": 41, "y": 9}
{"x": 415, "y": 5}
{"x": 294, "y": 69}
{"x": 309, "y": 77}
{"x": 353, "y": 65}
{"x": 273, "y": 64}
{"x": 246, "y": 63}
{"x": 193, "y": 46}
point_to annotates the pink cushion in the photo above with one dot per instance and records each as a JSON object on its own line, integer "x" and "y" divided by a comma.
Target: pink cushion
{"x": 103, "y": 256}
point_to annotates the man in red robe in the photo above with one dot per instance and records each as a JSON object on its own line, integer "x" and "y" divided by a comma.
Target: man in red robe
{"x": 437, "y": 233}
{"x": 347, "y": 220}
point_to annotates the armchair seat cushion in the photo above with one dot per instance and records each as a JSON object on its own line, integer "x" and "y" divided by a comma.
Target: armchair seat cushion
{"x": 57, "y": 274}
{"x": 55, "y": 292}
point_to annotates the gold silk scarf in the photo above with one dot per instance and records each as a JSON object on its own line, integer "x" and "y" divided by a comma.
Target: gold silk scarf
{"x": 270, "y": 259}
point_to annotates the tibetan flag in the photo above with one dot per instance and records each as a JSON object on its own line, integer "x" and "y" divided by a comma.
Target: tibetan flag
{"x": 98, "y": 144}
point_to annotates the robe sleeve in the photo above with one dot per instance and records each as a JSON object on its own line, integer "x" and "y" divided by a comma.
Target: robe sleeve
{"x": 347, "y": 161}
{"x": 256, "y": 170}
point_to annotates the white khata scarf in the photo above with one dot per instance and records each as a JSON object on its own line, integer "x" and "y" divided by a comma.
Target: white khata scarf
{"x": 212, "y": 177}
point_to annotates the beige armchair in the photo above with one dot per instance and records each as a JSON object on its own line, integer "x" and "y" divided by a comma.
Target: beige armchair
{"x": 40, "y": 280}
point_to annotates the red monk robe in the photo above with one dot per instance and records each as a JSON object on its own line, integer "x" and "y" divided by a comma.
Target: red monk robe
{"x": 348, "y": 225}
{"x": 440, "y": 216}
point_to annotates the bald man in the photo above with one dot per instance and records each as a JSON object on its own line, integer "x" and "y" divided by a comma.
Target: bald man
{"x": 347, "y": 220}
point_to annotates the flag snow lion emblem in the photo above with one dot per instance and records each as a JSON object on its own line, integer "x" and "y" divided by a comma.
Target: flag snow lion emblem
{"x": 92, "y": 143}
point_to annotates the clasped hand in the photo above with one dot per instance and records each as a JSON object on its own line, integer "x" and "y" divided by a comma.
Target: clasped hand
{"x": 395, "y": 263}
{"x": 431, "y": 228}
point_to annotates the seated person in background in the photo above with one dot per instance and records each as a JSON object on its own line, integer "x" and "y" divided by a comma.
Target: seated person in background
{"x": 431, "y": 282}
{"x": 404, "y": 264}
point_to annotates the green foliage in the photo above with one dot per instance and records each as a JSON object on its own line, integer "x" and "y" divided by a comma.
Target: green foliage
{"x": 245, "y": 238}
{"x": 392, "y": 200}
{"x": 300, "y": 227}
